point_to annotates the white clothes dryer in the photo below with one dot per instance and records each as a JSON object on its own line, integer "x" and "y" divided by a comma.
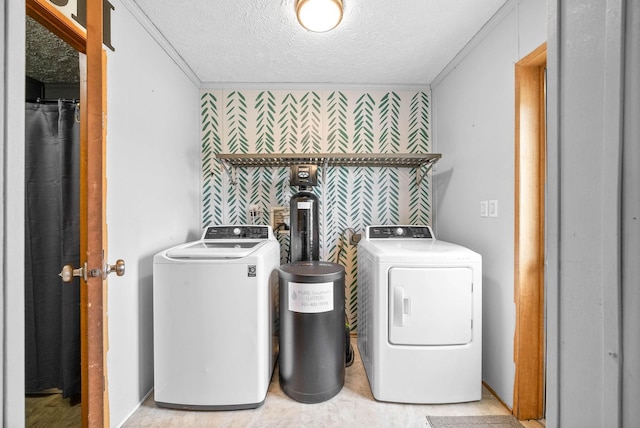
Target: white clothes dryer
{"x": 214, "y": 314}
{"x": 420, "y": 316}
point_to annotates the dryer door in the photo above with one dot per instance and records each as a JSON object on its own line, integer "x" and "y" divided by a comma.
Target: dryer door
{"x": 430, "y": 305}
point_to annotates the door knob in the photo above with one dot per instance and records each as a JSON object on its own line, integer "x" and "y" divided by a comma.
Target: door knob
{"x": 68, "y": 273}
{"x": 118, "y": 268}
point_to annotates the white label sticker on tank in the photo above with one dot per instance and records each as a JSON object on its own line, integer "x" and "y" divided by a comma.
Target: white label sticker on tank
{"x": 311, "y": 297}
{"x": 304, "y": 205}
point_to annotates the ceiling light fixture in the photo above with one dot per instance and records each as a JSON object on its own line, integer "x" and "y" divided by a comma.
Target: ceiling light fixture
{"x": 319, "y": 15}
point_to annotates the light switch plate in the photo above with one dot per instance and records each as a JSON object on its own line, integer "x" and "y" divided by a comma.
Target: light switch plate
{"x": 484, "y": 208}
{"x": 493, "y": 208}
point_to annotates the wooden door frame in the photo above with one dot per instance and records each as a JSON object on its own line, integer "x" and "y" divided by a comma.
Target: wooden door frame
{"x": 92, "y": 203}
{"x": 97, "y": 391}
{"x": 530, "y": 175}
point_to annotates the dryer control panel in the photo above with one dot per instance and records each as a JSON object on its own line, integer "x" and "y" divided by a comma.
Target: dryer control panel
{"x": 236, "y": 232}
{"x": 396, "y": 232}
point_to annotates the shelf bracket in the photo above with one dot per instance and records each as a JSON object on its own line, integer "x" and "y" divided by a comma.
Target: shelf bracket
{"x": 231, "y": 171}
{"x": 420, "y": 174}
{"x": 325, "y": 165}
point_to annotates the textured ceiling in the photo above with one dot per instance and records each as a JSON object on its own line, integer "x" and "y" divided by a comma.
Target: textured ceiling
{"x": 48, "y": 59}
{"x": 379, "y": 42}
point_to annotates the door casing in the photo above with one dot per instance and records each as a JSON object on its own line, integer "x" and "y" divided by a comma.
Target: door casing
{"x": 530, "y": 174}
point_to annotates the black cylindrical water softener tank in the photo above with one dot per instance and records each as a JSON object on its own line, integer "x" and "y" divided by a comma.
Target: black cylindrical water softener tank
{"x": 304, "y": 235}
{"x": 312, "y": 330}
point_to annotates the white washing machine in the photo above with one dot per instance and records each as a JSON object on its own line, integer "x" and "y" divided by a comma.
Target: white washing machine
{"x": 214, "y": 310}
{"x": 419, "y": 316}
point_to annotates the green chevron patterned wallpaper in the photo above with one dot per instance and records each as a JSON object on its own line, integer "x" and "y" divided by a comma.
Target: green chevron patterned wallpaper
{"x": 321, "y": 121}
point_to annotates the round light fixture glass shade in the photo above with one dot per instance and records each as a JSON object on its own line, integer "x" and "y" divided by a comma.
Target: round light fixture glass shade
{"x": 319, "y": 15}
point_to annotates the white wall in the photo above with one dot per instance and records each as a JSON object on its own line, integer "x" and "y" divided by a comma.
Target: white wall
{"x": 594, "y": 206}
{"x": 12, "y": 41}
{"x": 3, "y": 142}
{"x": 473, "y": 113}
{"x": 630, "y": 224}
{"x": 153, "y": 193}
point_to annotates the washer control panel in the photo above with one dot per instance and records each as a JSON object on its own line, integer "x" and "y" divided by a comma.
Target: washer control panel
{"x": 236, "y": 232}
{"x": 399, "y": 232}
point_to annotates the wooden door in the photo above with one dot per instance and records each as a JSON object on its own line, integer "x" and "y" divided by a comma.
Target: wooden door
{"x": 92, "y": 205}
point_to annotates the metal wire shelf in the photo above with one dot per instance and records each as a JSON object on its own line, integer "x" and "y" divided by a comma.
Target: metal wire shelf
{"x": 423, "y": 162}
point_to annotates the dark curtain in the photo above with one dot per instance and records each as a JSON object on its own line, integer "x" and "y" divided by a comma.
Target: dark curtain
{"x": 52, "y": 228}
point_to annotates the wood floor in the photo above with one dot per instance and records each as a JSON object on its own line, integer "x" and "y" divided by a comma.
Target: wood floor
{"x": 51, "y": 410}
{"x": 354, "y": 406}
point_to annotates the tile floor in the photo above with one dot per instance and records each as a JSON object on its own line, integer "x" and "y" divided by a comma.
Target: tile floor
{"x": 354, "y": 406}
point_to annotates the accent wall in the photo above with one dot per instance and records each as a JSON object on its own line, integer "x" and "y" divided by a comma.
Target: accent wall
{"x": 316, "y": 121}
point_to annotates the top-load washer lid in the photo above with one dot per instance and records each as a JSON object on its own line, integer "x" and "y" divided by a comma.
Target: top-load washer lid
{"x": 214, "y": 250}
{"x": 224, "y": 242}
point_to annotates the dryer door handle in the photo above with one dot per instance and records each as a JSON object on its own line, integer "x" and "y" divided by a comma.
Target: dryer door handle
{"x": 401, "y": 306}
